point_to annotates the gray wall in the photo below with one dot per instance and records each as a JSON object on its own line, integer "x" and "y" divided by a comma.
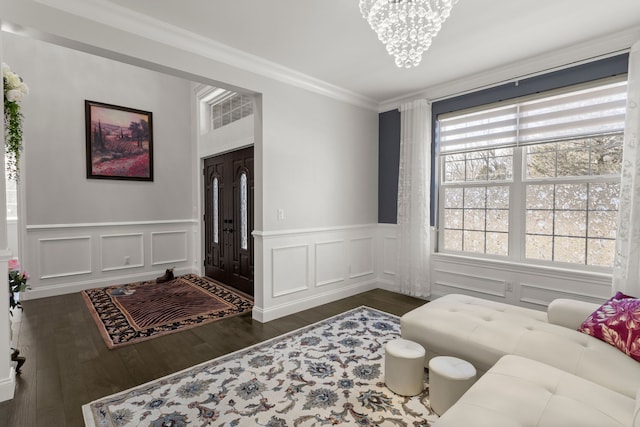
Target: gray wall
{"x": 57, "y": 190}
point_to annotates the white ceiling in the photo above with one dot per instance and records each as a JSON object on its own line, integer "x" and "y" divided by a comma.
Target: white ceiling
{"x": 330, "y": 41}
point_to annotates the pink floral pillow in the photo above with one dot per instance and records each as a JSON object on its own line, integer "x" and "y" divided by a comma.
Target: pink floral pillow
{"x": 617, "y": 322}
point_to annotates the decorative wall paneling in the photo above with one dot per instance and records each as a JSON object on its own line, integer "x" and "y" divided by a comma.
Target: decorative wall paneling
{"x": 114, "y": 246}
{"x": 63, "y": 257}
{"x": 169, "y": 247}
{"x": 301, "y": 268}
{"x": 523, "y": 285}
{"x": 69, "y": 258}
{"x": 386, "y": 256}
{"x": 306, "y": 268}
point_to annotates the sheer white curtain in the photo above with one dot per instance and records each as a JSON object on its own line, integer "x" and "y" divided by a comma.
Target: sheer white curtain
{"x": 626, "y": 266}
{"x": 414, "y": 244}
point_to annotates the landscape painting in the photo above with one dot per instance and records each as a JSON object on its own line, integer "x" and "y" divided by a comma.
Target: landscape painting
{"x": 119, "y": 142}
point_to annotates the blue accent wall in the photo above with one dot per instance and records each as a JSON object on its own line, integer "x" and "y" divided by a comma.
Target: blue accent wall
{"x": 389, "y": 122}
{"x": 388, "y": 166}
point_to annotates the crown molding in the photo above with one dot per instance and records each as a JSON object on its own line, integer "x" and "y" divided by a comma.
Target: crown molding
{"x": 124, "y": 19}
{"x": 602, "y": 47}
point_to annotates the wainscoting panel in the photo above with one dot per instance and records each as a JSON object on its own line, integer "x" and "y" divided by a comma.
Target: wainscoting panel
{"x": 456, "y": 281}
{"x": 64, "y": 257}
{"x": 389, "y": 255}
{"x": 523, "y": 285}
{"x": 290, "y": 269}
{"x": 113, "y": 246}
{"x": 169, "y": 247}
{"x": 330, "y": 262}
{"x": 386, "y": 257}
{"x": 306, "y": 268}
{"x": 362, "y": 255}
{"x": 543, "y": 295}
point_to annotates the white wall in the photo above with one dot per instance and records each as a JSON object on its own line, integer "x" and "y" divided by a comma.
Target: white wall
{"x": 315, "y": 155}
{"x": 78, "y": 231}
{"x": 321, "y": 158}
{"x": 57, "y": 190}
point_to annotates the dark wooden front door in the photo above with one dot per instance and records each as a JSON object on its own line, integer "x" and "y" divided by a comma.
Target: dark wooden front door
{"x": 228, "y": 218}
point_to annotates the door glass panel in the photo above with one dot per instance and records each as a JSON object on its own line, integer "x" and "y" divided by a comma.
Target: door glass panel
{"x": 244, "y": 232}
{"x": 216, "y": 212}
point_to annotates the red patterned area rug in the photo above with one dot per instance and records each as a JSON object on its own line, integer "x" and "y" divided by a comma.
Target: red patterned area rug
{"x": 128, "y": 314}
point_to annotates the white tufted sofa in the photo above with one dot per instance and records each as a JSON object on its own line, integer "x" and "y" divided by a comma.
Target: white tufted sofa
{"x": 540, "y": 371}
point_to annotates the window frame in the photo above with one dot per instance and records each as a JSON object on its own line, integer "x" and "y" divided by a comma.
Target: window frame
{"x": 510, "y": 183}
{"x": 597, "y": 69}
{"x": 517, "y": 185}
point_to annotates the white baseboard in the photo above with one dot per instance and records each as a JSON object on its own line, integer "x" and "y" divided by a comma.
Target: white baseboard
{"x": 292, "y": 307}
{"x": 55, "y": 290}
{"x": 388, "y": 285}
{"x": 8, "y": 386}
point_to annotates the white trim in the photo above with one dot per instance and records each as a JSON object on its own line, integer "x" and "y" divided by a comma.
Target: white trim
{"x": 558, "y": 293}
{"x": 126, "y": 266}
{"x": 387, "y": 225}
{"x": 70, "y": 273}
{"x": 108, "y": 224}
{"x": 287, "y": 308}
{"x": 68, "y": 288}
{"x": 471, "y": 289}
{"x": 125, "y": 19}
{"x": 357, "y": 275}
{"x": 123, "y": 267}
{"x": 170, "y": 261}
{"x": 473, "y": 276}
{"x": 385, "y": 239}
{"x": 388, "y": 285}
{"x": 304, "y": 287}
{"x": 372, "y": 255}
{"x": 328, "y": 282}
{"x": 294, "y": 232}
{"x": 8, "y": 386}
{"x": 319, "y": 284}
{"x": 515, "y": 267}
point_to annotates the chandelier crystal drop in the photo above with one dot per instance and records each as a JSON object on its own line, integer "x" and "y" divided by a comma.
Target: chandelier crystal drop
{"x": 406, "y": 27}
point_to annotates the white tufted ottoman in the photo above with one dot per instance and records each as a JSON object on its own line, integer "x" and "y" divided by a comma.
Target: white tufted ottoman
{"x": 449, "y": 378}
{"x": 404, "y": 367}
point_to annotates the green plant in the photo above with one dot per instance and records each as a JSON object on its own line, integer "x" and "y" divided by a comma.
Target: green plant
{"x": 17, "y": 283}
{"x": 14, "y": 90}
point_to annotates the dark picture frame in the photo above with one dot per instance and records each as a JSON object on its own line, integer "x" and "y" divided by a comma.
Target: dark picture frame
{"x": 119, "y": 142}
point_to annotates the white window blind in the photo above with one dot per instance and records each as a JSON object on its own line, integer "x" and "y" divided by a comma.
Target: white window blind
{"x": 578, "y": 113}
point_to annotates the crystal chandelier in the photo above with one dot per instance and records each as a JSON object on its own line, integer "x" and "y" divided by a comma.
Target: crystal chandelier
{"x": 406, "y": 27}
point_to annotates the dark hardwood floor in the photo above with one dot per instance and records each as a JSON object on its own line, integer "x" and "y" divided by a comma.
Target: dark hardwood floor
{"x": 69, "y": 365}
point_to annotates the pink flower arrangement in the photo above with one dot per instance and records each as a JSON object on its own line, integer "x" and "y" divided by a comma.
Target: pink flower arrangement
{"x": 14, "y": 265}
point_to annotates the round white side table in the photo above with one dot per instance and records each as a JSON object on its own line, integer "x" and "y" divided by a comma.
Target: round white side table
{"x": 404, "y": 367}
{"x": 449, "y": 378}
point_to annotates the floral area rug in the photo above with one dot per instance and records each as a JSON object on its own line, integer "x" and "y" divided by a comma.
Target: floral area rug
{"x": 329, "y": 373}
{"x": 128, "y": 314}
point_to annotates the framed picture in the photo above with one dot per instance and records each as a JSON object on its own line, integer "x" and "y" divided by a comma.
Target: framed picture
{"x": 119, "y": 142}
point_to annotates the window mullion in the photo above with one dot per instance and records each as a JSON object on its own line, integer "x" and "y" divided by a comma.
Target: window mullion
{"x": 517, "y": 207}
